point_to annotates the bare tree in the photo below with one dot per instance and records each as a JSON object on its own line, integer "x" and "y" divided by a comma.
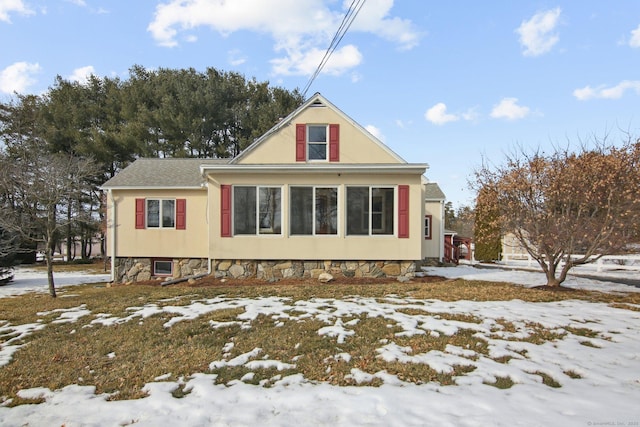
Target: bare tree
{"x": 34, "y": 187}
{"x": 568, "y": 208}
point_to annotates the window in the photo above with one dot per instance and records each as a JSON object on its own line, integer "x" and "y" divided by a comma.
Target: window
{"x": 161, "y": 213}
{"x": 269, "y": 215}
{"x": 317, "y": 142}
{"x": 256, "y": 210}
{"x": 314, "y": 211}
{"x": 370, "y": 211}
{"x": 162, "y": 267}
{"x": 427, "y": 226}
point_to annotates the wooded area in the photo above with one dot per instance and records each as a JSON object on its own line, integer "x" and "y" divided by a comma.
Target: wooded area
{"x": 104, "y": 125}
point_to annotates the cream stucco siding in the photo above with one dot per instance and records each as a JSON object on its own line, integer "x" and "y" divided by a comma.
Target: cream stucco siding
{"x": 340, "y": 246}
{"x": 159, "y": 242}
{"x": 356, "y": 146}
{"x": 354, "y": 157}
{"x": 432, "y": 248}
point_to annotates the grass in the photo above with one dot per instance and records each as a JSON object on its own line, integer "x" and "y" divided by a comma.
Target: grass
{"x": 120, "y": 359}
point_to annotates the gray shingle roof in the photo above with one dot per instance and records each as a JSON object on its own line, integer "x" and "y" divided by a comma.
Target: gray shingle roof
{"x": 432, "y": 191}
{"x": 161, "y": 173}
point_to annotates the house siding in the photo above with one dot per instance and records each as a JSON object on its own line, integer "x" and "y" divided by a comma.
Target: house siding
{"x": 284, "y": 146}
{"x": 432, "y": 248}
{"x": 340, "y": 246}
{"x": 133, "y": 241}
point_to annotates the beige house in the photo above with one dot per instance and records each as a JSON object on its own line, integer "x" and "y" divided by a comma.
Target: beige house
{"x": 315, "y": 193}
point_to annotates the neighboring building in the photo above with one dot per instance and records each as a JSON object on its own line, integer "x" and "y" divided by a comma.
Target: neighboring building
{"x": 512, "y": 248}
{"x": 315, "y": 193}
{"x": 433, "y": 246}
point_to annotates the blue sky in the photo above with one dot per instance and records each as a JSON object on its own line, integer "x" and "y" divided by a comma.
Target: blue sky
{"x": 443, "y": 83}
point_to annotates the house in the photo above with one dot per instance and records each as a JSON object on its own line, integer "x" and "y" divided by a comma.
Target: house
{"x": 433, "y": 245}
{"x": 315, "y": 193}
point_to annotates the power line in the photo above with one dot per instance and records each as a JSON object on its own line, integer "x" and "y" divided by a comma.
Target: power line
{"x": 347, "y": 20}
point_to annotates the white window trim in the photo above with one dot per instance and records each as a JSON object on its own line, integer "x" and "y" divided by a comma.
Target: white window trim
{"x": 326, "y": 142}
{"x": 313, "y": 220}
{"x": 395, "y": 208}
{"x": 162, "y": 274}
{"x": 428, "y": 236}
{"x": 160, "y": 200}
{"x": 257, "y": 233}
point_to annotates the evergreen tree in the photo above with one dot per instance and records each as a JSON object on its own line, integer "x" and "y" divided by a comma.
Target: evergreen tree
{"x": 487, "y": 234}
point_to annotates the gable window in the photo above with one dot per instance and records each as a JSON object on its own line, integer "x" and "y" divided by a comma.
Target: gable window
{"x": 256, "y": 210}
{"x": 314, "y": 210}
{"x": 427, "y": 227}
{"x": 370, "y": 211}
{"x": 317, "y": 142}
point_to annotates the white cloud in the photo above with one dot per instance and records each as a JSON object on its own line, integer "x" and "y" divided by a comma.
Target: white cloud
{"x": 12, "y": 6}
{"x": 81, "y": 75}
{"x": 400, "y": 124}
{"x": 301, "y": 29}
{"x": 305, "y": 63}
{"x": 471, "y": 114}
{"x": 438, "y": 115}
{"x": 635, "y": 37}
{"x": 536, "y": 34}
{"x": 375, "y": 132}
{"x": 602, "y": 92}
{"x": 374, "y": 17}
{"x": 236, "y": 57}
{"x": 80, "y": 3}
{"x": 509, "y": 109}
{"x": 18, "y": 77}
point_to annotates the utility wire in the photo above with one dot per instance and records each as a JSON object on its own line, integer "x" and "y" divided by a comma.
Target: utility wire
{"x": 347, "y": 20}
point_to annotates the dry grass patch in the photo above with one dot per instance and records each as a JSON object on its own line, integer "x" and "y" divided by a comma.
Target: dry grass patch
{"x": 501, "y": 383}
{"x": 547, "y": 379}
{"x": 122, "y": 358}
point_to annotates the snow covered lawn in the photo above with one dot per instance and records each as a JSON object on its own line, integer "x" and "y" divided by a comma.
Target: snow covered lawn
{"x": 27, "y": 280}
{"x": 586, "y": 371}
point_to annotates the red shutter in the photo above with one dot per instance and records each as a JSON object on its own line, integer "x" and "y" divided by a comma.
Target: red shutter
{"x": 301, "y": 143}
{"x": 140, "y": 213}
{"x": 403, "y": 211}
{"x": 181, "y": 214}
{"x": 225, "y": 210}
{"x": 334, "y": 143}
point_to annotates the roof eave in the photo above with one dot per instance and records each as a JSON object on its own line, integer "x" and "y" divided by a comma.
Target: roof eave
{"x": 402, "y": 168}
{"x": 151, "y": 187}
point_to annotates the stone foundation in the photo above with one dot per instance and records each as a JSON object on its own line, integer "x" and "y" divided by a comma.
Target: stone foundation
{"x": 275, "y": 270}
{"x": 139, "y": 269}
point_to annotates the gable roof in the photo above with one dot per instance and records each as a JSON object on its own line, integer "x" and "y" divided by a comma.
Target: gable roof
{"x": 432, "y": 191}
{"x": 315, "y": 101}
{"x": 162, "y": 173}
